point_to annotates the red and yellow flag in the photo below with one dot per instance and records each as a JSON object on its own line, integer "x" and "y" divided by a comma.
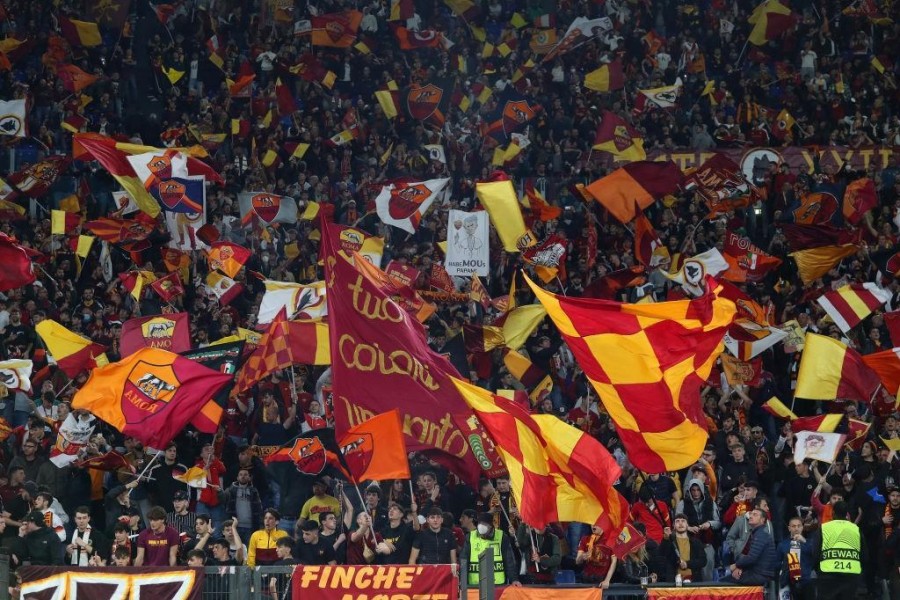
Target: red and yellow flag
{"x": 557, "y": 472}
{"x": 227, "y": 258}
{"x": 375, "y": 449}
{"x": 638, "y": 183}
{"x": 647, "y": 363}
{"x": 829, "y": 370}
{"x": 72, "y": 353}
{"x": 151, "y": 395}
{"x": 815, "y": 262}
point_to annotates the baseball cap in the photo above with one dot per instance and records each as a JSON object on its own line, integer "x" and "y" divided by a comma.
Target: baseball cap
{"x": 180, "y": 495}
{"x": 36, "y": 517}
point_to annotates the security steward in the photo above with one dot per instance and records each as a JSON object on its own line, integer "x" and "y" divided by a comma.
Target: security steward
{"x": 487, "y": 537}
{"x": 839, "y": 551}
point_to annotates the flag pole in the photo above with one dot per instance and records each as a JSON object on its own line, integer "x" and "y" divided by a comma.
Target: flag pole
{"x": 363, "y": 501}
{"x": 741, "y": 55}
{"x": 147, "y": 467}
{"x": 63, "y": 388}
{"x": 534, "y": 547}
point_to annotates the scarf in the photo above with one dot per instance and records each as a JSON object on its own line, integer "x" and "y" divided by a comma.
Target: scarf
{"x": 80, "y": 558}
{"x": 594, "y": 539}
{"x": 793, "y": 560}
{"x": 888, "y": 527}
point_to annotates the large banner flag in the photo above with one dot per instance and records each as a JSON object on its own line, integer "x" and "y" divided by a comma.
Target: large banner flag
{"x": 404, "y": 204}
{"x": 267, "y": 208}
{"x": 557, "y": 472}
{"x": 103, "y": 583}
{"x": 468, "y": 244}
{"x": 375, "y": 449}
{"x": 15, "y": 375}
{"x": 72, "y": 352}
{"x": 299, "y": 301}
{"x": 647, "y": 363}
{"x": 403, "y": 294}
{"x": 380, "y": 361}
{"x": 849, "y": 305}
{"x": 12, "y": 118}
{"x": 225, "y": 358}
{"x": 500, "y": 200}
{"x": 639, "y": 183}
{"x": 817, "y": 446}
{"x": 170, "y": 332}
{"x": 18, "y": 270}
{"x": 151, "y": 395}
{"x": 830, "y": 370}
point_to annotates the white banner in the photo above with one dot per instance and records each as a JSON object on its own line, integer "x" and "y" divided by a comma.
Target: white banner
{"x": 467, "y": 244}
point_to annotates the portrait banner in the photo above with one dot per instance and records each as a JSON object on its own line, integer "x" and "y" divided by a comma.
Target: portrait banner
{"x": 468, "y": 244}
{"x": 109, "y": 583}
{"x": 324, "y": 582}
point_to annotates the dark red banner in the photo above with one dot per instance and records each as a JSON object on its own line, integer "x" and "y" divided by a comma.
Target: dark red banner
{"x": 706, "y": 593}
{"x": 159, "y": 583}
{"x": 426, "y": 582}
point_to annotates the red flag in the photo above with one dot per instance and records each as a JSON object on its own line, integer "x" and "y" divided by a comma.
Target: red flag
{"x": 440, "y": 278}
{"x": 859, "y": 198}
{"x": 648, "y": 248}
{"x": 168, "y": 287}
{"x": 629, "y": 540}
{"x": 74, "y": 79}
{"x": 286, "y": 103}
{"x": 169, "y": 332}
{"x": 36, "y": 180}
{"x": 746, "y": 261}
{"x": 609, "y": 285}
{"x": 548, "y": 258}
{"x": 109, "y": 461}
{"x": 227, "y": 257}
{"x": 17, "y": 269}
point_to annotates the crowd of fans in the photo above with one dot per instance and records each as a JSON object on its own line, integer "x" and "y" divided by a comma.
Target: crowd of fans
{"x": 697, "y": 522}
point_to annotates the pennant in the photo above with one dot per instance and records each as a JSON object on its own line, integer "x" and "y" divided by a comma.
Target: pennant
{"x": 653, "y": 398}
{"x": 664, "y": 97}
{"x": 829, "y": 370}
{"x": 777, "y": 408}
{"x": 74, "y": 79}
{"x": 267, "y": 208}
{"x": 151, "y": 395}
{"x": 375, "y": 449}
{"x": 694, "y": 270}
{"x": 747, "y": 340}
{"x": 849, "y": 305}
{"x": 428, "y": 103}
{"x": 638, "y": 183}
{"x": 194, "y": 477}
{"x": 311, "y": 453}
{"x": 404, "y": 205}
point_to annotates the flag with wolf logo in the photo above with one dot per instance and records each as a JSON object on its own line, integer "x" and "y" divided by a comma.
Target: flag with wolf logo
{"x": 169, "y": 332}
{"x": 514, "y": 112}
{"x": 151, "y": 395}
{"x": 404, "y": 204}
{"x": 429, "y": 102}
{"x": 266, "y": 208}
{"x": 312, "y": 452}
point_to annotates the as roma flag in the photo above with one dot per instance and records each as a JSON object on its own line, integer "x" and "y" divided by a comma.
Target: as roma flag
{"x": 168, "y": 287}
{"x": 336, "y": 30}
{"x": 227, "y": 258}
{"x": 375, "y": 449}
{"x": 312, "y": 452}
{"x": 169, "y": 332}
{"x": 513, "y": 114}
{"x": 267, "y": 208}
{"x": 746, "y": 262}
{"x": 151, "y": 395}
{"x": 429, "y": 103}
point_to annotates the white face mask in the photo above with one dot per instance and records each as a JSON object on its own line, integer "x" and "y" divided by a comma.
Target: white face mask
{"x": 483, "y": 529}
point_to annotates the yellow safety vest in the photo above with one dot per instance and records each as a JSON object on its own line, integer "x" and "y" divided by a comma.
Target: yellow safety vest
{"x": 840, "y": 548}
{"x": 477, "y": 545}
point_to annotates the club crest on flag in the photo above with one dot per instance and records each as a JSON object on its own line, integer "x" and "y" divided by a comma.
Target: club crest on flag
{"x": 423, "y": 101}
{"x": 516, "y": 113}
{"x": 758, "y": 163}
{"x": 621, "y": 137}
{"x": 158, "y": 329}
{"x": 816, "y": 208}
{"x": 351, "y": 241}
{"x": 335, "y": 30}
{"x": 10, "y": 124}
{"x": 358, "y": 452}
{"x": 160, "y": 166}
{"x": 406, "y": 201}
{"x": 171, "y": 193}
{"x": 266, "y": 206}
{"x": 148, "y": 389}
{"x": 308, "y": 455}
{"x": 217, "y": 261}
{"x": 694, "y": 272}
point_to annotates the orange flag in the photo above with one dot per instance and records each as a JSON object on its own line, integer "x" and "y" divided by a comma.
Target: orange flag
{"x": 375, "y": 449}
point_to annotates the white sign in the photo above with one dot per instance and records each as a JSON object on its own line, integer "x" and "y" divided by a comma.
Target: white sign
{"x": 467, "y": 244}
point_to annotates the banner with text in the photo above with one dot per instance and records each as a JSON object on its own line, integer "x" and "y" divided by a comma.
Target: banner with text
{"x": 432, "y": 582}
{"x": 467, "y": 244}
{"x": 109, "y": 583}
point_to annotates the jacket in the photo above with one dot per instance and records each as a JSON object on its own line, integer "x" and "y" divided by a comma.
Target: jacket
{"x": 230, "y": 498}
{"x": 760, "y": 559}
{"x": 39, "y": 547}
{"x": 739, "y": 534}
{"x": 668, "y": 551}
{"x": 697, "y": 513}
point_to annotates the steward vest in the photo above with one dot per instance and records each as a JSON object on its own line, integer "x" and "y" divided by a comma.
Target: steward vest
{"x": 840, "y": 548}
{"x": 477, "y": 545}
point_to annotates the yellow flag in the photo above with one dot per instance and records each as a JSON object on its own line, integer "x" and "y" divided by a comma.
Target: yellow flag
{"x": 173, "y": 75}
{"x": 310, "y": 212}
{"x": 386, "y": 102}
{"x": 815, "y": 262}
{"x": 267, "y": 120}
{"x": 269, "y": 158}
{"x": 499, "y": 198}
{"x": 84, "y": 245}
{"x": 518, "y": 21}
{"x": 300, "y": 150}
{"x": 876, "y": 64}
{"x": 235, "y": 126}
{"x": 70, "y": 204}
{"x": 521, "y": 323}
{"x": 329, "y": 79}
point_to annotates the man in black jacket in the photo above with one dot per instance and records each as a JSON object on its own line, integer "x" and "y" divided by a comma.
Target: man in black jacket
{"x": 682, "y": 553}
{"x": 37, "y": 544}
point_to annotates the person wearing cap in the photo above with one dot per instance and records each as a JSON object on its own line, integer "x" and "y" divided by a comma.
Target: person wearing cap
{"x": 488, "y": 538}
{"x": 433, "y": 545}
{"x": 37, "y": 544}
{"x": 181, "y": 519}
{"x": 682, "y": 553}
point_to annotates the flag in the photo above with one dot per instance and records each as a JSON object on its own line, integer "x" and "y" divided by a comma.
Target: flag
{"x": 227, "y": 257}
{"x": 403, "y": 294}
{"x": 739, "y": 372}
{"x": 17, "y": 270}
{"x": 482, "y": 338}
{"x": 74, "y": 79}
{"x": 662, "y": 97}
{"x": 859, "y": 198}
{"x": 168, "y": 287}
{"x": 829, "y": 370}
{"x": 609, "y": 285}
{"x": 62, "y": 222}
{"x": 513, "y": 113}
{"x": 777, "y": 408}
{"x": 224, "y": 357}
{"x": 580, "y": 31}
{"x": 36, "y": 180}
{"x": 224, "y": 288}
{"x": 648, "y": 248}
{"x": 500, "y": 201}
{"x": 194, "y": 477}
{"x": 638, "y": 183}
{"x": 607, "y": 78}
{"x": 151, "y": 395}
{"x": 172, "y": 74}
{"x": 124, "y": 232}
{"x": 335, "y": 30}
{"x": 15, "y": 375}
{"x": 854, "y": 429}
{"x": 80, "y": 33}
{"x": 352, "y": 240}
{"x": 746, "y": 262}
{"x": 616, "y": 136}
{"x": 73, "y": 435}
{"x": 366, "y": 325}
{"x": 770, "y": 19}
{"x": 375, "y": 449}
{"x": 174, "y": 179}
{"x": 72, "y": 352}
{"x": 311, "y": 452}
{"x": 720, "y": 182}
{"x": 877, "y": 65}
{"x": 548, "y": 258}
{"x": 849, "y": 305}
{"x": 408, "y": 39}
{"x": 817, "y": 446}
{"x": 404, "y": 204}
{"x": 543, "y": 40}
{"x": 783, "y": 124}
{"x": 284, "y": 344}
{"x": 647, "y": 363}
{"x": 134, "y": 282}
{"x": 536, "y": 382}
{"x": 301, "y": 301}
{"x": 170, "y": 332}
{"x": 693, "y": 271}
{"x": 108, "y": 461}
{"x": 12, "y": 118}
{"x": 478, "y": 293}
{"x": 268, "y": 208}
{"x": 557, "y": 472}
{"x": 401, "y": 10}
{"x": 746, "y": 339}
{"x": 105, "y": 151}
{"x": 520, "y": 322}
{"x": 816, "y": 262}
{"x": 886, "y": 365}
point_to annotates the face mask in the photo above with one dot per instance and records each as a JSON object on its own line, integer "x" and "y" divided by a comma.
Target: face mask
{"x": 483, "y": 529}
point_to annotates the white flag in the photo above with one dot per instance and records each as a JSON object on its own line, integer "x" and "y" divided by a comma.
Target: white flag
{"x": 299, "y": 301}
{"x": 695, "y": 269}
{"x": 125, "y": 204}
{"x": 12, "y": 118}
{"x": 817, "y": 445}
{"x": 16, "y": 375}
{"x": 436, "y": 152}
{"x": 403, "y": 206}
{"x": 468, "y": 244}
